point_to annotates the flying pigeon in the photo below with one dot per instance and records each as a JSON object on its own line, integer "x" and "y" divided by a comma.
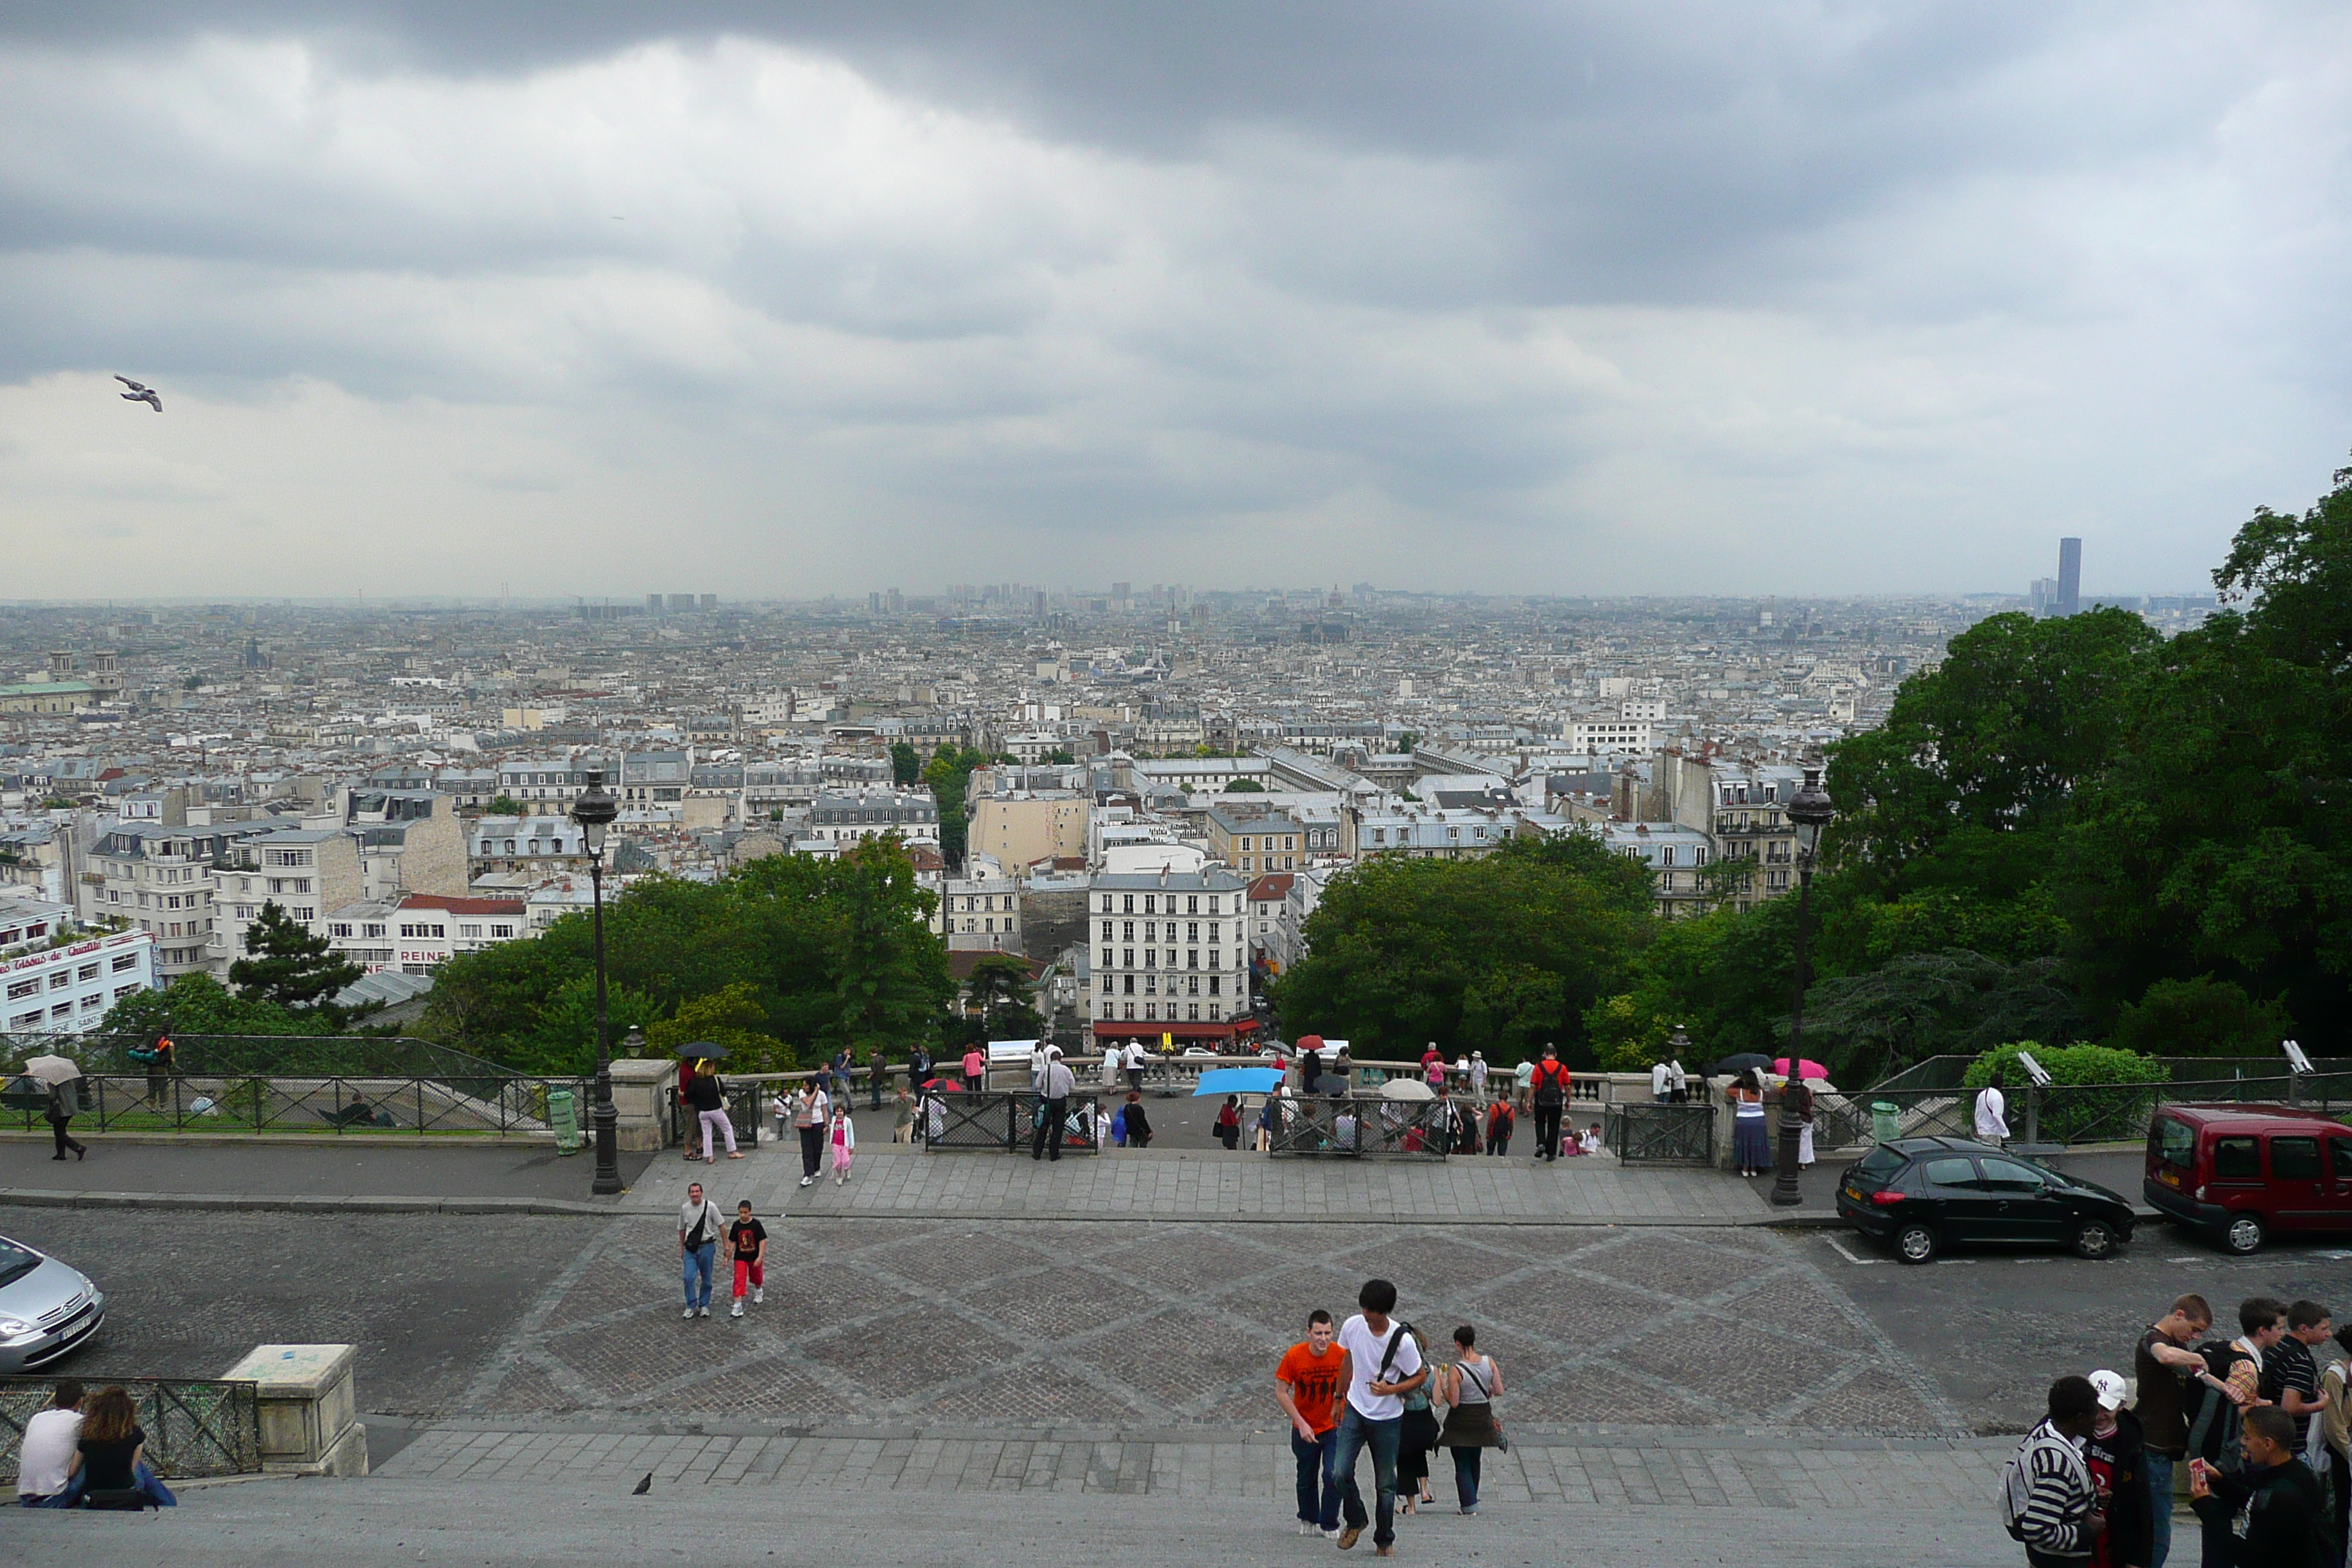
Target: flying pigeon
{"x": 138, "y": 394}
{"x": 642, "y": 1487}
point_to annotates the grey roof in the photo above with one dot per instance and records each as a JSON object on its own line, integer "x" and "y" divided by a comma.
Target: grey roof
{"x": 388, "y": 987}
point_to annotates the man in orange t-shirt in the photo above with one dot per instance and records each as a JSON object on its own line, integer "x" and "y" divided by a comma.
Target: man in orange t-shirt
{"x": 1306, "y": 1386}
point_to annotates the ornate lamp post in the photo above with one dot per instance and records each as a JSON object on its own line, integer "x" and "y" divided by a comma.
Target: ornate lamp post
{"x": 1809, "y": 811}
{"x": 595, "y": 812}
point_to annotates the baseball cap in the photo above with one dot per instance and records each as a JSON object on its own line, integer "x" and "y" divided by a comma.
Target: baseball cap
{"x": 2109, "y": 1386}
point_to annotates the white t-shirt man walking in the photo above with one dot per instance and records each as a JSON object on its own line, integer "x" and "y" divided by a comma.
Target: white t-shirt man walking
{"x": 1383, "y": 1365}
{"x": 1992, "y": 1115}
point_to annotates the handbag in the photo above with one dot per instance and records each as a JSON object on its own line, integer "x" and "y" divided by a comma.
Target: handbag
{"x": 1450, "y": 1437}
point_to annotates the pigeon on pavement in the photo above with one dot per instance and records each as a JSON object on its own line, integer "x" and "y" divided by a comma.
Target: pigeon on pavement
{"x": 642, "y": 1487}
{"x": 138, "y": 394}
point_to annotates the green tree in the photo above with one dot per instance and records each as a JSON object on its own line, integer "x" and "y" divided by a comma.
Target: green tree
{"x": 999, "y": 990}
{"x": 733, "y": 1018}
{"x": 1061, "y": 755}
{"x": 288, "y": 966}
{"x": 906, "y": 768}
{"x": 892, "y": 971}
{"x": 505, "y": 805}
{"x": 199, "y": 1004}
{"x": 1920, "y": 1005}
{"x": 2201, "y": 1017}
{"x": 949, "y": 774}
{"x": 1245, "y": 786}
{"x": 1503, "y": 954}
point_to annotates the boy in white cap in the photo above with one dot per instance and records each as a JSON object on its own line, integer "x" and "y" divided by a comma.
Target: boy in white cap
{"x": 2116, "y": 1455}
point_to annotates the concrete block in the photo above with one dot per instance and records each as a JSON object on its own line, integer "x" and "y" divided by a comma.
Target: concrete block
{"x": 308, "y": 1409}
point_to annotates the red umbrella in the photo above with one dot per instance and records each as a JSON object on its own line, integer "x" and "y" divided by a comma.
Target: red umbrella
{"x": 1805, "y": 1068}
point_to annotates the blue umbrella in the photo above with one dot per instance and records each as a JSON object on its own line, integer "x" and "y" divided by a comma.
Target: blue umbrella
{"x": 1238, "y": 1080}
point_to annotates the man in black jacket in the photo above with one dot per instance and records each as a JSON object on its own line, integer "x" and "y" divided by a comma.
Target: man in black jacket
{"x": 2270, "y": 1514}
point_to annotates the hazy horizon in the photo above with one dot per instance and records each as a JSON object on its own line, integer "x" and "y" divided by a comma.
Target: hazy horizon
{"x": 788, "y": 300}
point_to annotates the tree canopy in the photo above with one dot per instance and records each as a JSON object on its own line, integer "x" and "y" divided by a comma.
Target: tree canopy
{"x": 1503, "y": 954}
{"x": 285, "y": 965}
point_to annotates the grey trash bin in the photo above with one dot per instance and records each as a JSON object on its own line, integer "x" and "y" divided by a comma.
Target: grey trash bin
{"x": 1883, "y": 1124}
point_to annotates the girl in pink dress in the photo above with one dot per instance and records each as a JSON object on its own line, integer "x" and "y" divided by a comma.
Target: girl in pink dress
{"x": 844, "y": 1139}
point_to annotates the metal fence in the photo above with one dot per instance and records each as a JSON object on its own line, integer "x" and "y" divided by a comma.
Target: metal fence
{"x": 186, "y": 1102}
{"x": 746, "y": 1106}
{"x": 997, "y": 1119}
{"x": 194, "y": 1427}
{"x": 2066, "y": 1113}
{"x": 1355, "y": 1128}
{"x": 1661, "y": 1134}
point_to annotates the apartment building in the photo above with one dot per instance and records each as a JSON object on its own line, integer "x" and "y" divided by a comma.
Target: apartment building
{"x": 418, "y": 931}
{"x": 165, "y": 879}
{"x": 1023, "y": 829}
{"x": 1170, "y": 957}
{"x": 409, "y": 841}
{"x": 1676, "y": 856}
{"x": 1741, "y": 806}
{"x": 302, "y": 870}
{"x": 526, "y": 846}
{"x": 981, "y": 910}
{"x": 1253, "y": 840}
{"x": 56, "y": 978}
{"x": 842, "y": 819}
{"x": 551, "y": 781}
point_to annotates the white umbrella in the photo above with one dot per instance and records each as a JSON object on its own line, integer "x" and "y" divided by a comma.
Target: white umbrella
{"x": 1407, "y": 1089}
{"x": 52, "y": 1071}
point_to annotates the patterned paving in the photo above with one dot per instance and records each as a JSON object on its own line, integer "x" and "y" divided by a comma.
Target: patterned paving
{"x": 1131, "y": 1324}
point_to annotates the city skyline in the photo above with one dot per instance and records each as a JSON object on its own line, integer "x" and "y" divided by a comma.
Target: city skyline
{"x": 1580, "y": 303}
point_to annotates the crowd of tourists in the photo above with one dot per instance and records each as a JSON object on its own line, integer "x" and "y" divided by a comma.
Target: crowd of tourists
{"x": 2248, "y": 1428}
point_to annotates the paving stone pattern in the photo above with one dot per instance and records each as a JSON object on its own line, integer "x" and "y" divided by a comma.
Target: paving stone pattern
{"x": 1641, "y": 1472}
{"x": 1046, "y": 1325}
{"x": 1155, "y": 1184}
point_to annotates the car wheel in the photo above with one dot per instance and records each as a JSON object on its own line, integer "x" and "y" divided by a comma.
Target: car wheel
{"x": 2244, "y": 1233}
{"x": 1915, "y": 1242}
{"x": 2095, "y": 1238}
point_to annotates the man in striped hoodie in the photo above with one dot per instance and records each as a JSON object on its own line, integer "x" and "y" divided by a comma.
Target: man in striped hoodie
{"x": 2047, "y": 1496}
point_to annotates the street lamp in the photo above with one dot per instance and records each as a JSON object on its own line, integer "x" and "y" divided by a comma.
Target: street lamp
{"x": 595, "y": 812}
{"x": 1809, "y": 811}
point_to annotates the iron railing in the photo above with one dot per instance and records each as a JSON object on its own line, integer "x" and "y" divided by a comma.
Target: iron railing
{"x": 1354, "y": 1127}
{"x": 1007, "y": 1120}
{"x": 1661, "y": 1133}
{"x": 2065, "y": 1113}
{"x": 194, "y": 1427}
{"x": 189, "y": 1102}
{"x": 746, "y": 1105}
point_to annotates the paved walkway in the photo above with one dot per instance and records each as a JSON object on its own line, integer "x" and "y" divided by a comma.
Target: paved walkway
{"x": 1212, "y": 1185}
{"x": 803, "y": 1500}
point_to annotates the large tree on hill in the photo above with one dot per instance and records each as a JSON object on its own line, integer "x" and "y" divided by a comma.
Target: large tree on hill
{"x": 286, "y": 964}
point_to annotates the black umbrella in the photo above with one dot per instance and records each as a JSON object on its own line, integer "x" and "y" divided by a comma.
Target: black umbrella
{"x": 703, "y": 1051}
{"x": 1734, "y": 1065}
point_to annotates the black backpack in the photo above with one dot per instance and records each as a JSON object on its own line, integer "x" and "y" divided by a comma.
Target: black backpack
{"x": 2214, "y": 1418}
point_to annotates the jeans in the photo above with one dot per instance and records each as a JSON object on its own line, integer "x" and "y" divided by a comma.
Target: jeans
{"x": 1466, "y": 1477}
{"x": 696, "y": 1265}
{"x": 874, "y": 1086}
{"x": 1050, "y": 1114}
{"x": 1318, "y": 1493}
{"x": 1548, "y": 1131}
{"x": 2159, "y": 1506}
{"x": 1499, "y": 1142}
{"x": 142, "y": 1476}
{"x": 1357, "y": 1432}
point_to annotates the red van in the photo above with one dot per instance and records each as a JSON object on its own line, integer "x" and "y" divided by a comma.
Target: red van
{"x": 2241, "y": 1171}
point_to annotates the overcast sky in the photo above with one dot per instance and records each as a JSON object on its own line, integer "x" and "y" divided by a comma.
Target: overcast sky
{"x": 774, "y": 299}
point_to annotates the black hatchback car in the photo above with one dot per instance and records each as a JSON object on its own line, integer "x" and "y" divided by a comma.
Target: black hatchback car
{"x": 1922, "y": 1194}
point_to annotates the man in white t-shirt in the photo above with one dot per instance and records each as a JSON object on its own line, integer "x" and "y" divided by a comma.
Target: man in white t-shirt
{"x": 45, "y": 1458}
{"x": 1135, "y": 1066}
{"x": 1662, "y": 1077}
{"x": 1383, "y": 1365}
{"x": 1992, "y": 1116}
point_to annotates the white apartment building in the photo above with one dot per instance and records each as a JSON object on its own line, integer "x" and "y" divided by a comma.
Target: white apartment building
{"x": 1596, "y": 735}
{"x": 302, "y": 870}
{"x": 1675, "y": 856}
{"x": 416, "y": 932}
{"x": 165, "y": 881}
{"x": 1433, "y": 832}
{"x": 551, "y": 781}
{"x": 52, "y": 988}
{"x": 842, "y": 819}
{"x": 526, "y": 846}
{"x": 1170, "y": 957}
{"x": 980, "y": 911}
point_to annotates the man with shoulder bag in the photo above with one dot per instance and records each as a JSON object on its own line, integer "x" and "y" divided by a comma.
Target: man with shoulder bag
{"x": 1550, "y": 1083}
{"x": 1382, "y": 1366}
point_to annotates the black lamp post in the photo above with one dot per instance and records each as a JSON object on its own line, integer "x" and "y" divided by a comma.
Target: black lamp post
{"x": 595, "y": 812}
{"x": 1809, "y": 811}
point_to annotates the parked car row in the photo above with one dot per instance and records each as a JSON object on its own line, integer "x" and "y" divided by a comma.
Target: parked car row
{"x": 2237, "y": 1174}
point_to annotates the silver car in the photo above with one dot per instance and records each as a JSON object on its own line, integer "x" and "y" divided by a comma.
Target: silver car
{"x": 48, "y": 1310}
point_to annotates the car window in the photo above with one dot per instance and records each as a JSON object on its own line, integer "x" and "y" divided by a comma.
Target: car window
{"x": 1949, "y": 1172}
{"x": 2295, "y": 1158}
{"x": 1881, "y": 1162}
{"x": 2235, "y": 1159}
{"x": 2176, "y": 1142}
{"x": 15, "y": 1261}
{"x": 2009, "y": 1173}
{"x": 2339, "y": 1158}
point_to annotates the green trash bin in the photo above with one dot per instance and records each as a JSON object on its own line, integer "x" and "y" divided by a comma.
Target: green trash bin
{"x": 1883, "y": 1125}
{"x": 562, "y": 1116}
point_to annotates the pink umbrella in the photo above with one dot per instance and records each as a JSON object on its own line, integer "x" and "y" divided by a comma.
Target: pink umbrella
{"x": 1805, "y": 1068}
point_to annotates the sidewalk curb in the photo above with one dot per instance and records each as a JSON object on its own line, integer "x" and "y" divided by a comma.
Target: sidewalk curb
{"x": 301, "y": 1203}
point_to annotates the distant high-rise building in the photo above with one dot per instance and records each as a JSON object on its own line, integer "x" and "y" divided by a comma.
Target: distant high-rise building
{"x": 681, "y": 601}
{"x": 874, "y": 603}
{"x": 653, "y": 604}
{"x": 895, "y": 601}
{"x": 710, "y": 601}
{"x": 2042, "y": 596}
{"x": 2070, "y": 576}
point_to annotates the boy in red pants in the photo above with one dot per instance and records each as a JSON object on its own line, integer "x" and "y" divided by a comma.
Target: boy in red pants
{"x": 746, "y": 1240}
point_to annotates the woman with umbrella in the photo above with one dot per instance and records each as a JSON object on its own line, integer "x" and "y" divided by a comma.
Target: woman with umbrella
{"x": 58, "y": 1075}
{"x": 1752, "y": 1150}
